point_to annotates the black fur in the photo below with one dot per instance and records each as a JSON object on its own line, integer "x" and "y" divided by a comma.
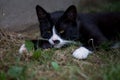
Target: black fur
{"x": 81, "y": 27}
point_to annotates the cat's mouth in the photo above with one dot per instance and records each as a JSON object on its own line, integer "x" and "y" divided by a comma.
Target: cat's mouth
{"x": 62, "y": 43}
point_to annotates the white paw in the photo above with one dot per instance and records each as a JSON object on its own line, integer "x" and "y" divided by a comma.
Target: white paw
{"x": 22, "y": 49}
{"x": 81, "y": 53}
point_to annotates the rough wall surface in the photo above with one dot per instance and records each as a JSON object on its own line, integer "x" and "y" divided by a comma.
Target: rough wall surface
{"x": 17, "y": 15}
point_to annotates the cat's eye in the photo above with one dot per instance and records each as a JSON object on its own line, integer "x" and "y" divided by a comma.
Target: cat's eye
{"x": 48, "y": 31}
{"x": 62, "y": 31}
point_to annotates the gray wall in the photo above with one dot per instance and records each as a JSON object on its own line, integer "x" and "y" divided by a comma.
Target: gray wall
{"x": 17, "y": 15}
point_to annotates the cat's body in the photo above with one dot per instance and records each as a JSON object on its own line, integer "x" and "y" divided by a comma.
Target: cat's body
{"x": 61, "y": 28}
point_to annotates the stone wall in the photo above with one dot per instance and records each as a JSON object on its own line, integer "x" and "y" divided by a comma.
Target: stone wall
{"x": 18, "y": 15}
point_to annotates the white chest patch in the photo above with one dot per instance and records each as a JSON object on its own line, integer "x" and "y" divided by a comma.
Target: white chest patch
{"x": 81, "y": 53}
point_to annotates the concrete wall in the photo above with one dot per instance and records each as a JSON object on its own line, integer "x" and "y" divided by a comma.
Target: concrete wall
{"x": 17, "y": 15}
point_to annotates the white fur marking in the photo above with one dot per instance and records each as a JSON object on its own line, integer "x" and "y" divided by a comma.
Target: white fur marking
{"x": 22, "y": 49}
{"x": 56, "y": 37}
{"x": 81, "y": 53}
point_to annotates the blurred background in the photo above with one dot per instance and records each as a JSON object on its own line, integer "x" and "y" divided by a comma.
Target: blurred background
{"x": 17, "y": 15}
{"x": 51, "y": 64}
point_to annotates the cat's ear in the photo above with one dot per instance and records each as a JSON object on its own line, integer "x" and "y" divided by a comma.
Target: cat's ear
{"x": 70, "y": 13}
{"x": 41, "y": 13}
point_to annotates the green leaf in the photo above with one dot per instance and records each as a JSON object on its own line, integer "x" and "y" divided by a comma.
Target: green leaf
{"x": 37, "y": 54}
{"x": 55, "y": 66}
{"x": 29, "y": 45}
{"x": 15, "y": 71}
{"x": 3, "y": 76}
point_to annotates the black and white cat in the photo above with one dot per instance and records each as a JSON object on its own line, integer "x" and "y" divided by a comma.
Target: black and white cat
{"x": 64, "y": 27}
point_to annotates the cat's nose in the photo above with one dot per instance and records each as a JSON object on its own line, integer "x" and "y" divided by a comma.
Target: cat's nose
{"x": 56, "y": 41}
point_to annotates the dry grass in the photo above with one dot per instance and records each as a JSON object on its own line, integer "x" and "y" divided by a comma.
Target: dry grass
{"x": 101, "y": 65}
{"x": 42, "y": 68}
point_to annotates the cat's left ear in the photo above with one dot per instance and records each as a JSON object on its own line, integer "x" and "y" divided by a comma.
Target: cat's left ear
{"x": 41, "y": 13}
{"x": 70, "y": 13}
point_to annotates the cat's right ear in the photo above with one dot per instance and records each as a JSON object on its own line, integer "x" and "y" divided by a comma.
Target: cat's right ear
{"x": 41, "y": 13}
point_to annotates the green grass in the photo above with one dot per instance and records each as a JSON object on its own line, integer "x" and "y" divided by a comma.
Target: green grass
{"x": 59, "y": 64}
{"x": 3, "y": 76}
{"x": 111, "y": 72}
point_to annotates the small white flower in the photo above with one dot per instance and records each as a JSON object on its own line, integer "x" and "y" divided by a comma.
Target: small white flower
{"x": 81, "y": 53}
